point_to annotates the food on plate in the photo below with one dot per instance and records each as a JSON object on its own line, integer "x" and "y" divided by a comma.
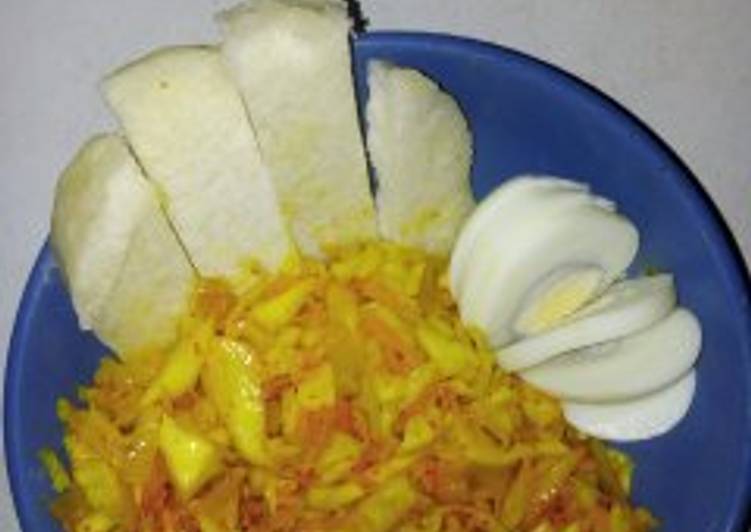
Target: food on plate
{"x": 626, "y": 368}
{"x": 648, "y": 416}
{"x": 291, "y": 62}
{"x": 534, "y": 269}
{"x": 552, "y": 250}
{"x": 421, "y": 150}
{"x": 325, "y": 367}
{"x": 129, "y": 279}
{"x": 626, "y": 307}
{"x": 189, "y": 130}
{"x": 191, "y": 459}
{"x": 367, "y": 405}
{"x": 514, "y": 193}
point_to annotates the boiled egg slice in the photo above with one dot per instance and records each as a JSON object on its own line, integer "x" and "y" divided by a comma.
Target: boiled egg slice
{"x": 639, "y": 419}
{"x": 519, "y": 190}
{"x": 624, "y": 369}
{"x": 554, "y": 258}
{"x": 626, "y": 307}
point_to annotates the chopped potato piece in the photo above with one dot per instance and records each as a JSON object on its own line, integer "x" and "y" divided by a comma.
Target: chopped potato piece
{"x": 180, "y": 373}
{"x": 191, "y": 459}
{"x": 231, "y": 381}
{"x": 279, "y": 310}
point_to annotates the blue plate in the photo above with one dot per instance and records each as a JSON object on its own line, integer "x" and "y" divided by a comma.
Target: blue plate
{"x": 526, "y": 116}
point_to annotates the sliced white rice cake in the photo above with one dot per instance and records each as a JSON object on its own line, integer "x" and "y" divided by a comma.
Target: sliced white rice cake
{"x": 128, "y": 276}
{"x": 189, "y": 129}
{"x": 421, "y": 149}
{"x": 291, "y": 60}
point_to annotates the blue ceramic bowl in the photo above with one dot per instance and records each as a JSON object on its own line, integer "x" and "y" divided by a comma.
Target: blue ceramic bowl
{"x": 526, "y": 116}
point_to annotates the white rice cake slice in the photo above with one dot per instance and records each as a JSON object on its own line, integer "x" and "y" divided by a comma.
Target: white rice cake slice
{"x": 189, "y": 129}
{"x": 421, "y": 149}
{"x": 127, "y": 274}
{"x": 291, "y": 60}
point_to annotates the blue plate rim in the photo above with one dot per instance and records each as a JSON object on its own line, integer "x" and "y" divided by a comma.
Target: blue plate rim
{"x": 714, "y": 228}
{"x": 12, "y": 384}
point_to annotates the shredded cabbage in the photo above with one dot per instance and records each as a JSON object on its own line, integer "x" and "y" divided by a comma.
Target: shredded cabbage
{"x": 337, "y": 395}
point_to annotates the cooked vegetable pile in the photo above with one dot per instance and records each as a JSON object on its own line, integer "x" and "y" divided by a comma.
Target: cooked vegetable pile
{"x": 339, "y": 395}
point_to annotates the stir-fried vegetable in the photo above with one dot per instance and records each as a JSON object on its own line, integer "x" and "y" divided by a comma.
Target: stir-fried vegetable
{"x": 343, "y": 395}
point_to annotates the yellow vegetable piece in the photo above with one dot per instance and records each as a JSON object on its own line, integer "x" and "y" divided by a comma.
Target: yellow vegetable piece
{"x": 317, "y": 390}
{"x": 515, "y": 504}
{"x": 544, "y": 527}
{"x": 278, "y": 311}
{"x": 179, "y": 374}
{"x": 389, "y": 469}
{"x": 483, "y": 450}
{"x": 417, "y": 434}
{"x": 585, "y": 495}
{"x": 97, "y": 479}
{"x": 97, "y": 522}
{"x": 383, "y": 509}
{"x": 385, "y": 394}
{"x": 619, "y": 520}
{"x": 540, "y": 409}
{"x": 191, "y": 459}
{"x": 414, "y": 279}
{"x": 363, "y": 263}
{"x": 342, "y": 306}
{"x": 345, "y": 352}
{"x": 556, "y": 472}
{"x": 218, "y": 506}
{"x": 232, "y": 382}
{"x": 432, "y": 522}
{"x": 55, "y": 469}
{"x": 208, "y": 525}
{"x": 338, "y": 457}
{"x": 333, "y": 497}
{"x": 449, "y": 355}
{"x": 623, "y": 467}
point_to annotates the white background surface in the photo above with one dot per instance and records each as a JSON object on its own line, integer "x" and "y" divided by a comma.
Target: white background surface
{"x": 683, "y": 66}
